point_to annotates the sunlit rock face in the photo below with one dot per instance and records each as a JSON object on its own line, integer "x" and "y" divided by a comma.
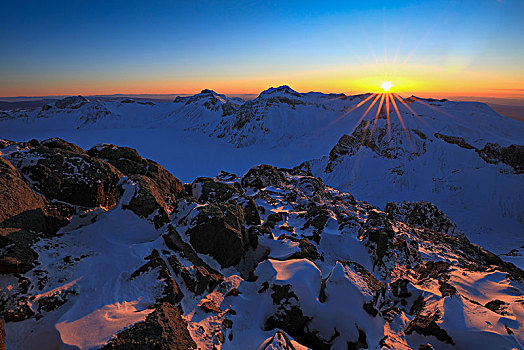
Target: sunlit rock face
{"x": 272, "y": 259}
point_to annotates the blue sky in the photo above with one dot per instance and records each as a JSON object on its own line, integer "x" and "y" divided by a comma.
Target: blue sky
{"x": 133, "y": 46}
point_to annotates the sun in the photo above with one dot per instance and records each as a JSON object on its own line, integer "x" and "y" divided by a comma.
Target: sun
{"x": 386, "y": 85}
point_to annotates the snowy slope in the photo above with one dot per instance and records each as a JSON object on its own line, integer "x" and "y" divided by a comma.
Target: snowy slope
{"x": 203, "y": 134}
{"x": 458, "y": 156}
{"x": 274, "y": 259}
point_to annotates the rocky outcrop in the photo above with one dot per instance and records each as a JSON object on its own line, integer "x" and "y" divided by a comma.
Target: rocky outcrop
{"x": 290, "y": 318}
{"x": 279, "y": 341}
{"x": 218, "y": 230}
{"x": 456, "y": 140}
{"x": 172, "y": 293}
{"x": 423, "y": 214}
{"x": 426, "y": 324}
{"x": 199, "y": 277}
{"x": 23, "y": 215}
{"x": 512, "y": 155}
{"x": 130, "y": 163}
{"x": 262, "y": 176}
{"x": 148, "y": 201}
{"x": 251, "y": 213}
{"x": 206, "y": 189}
{"x": 73, "y": 102}
{"x": 164, "y": 328}
{"x": 69, "y": 176}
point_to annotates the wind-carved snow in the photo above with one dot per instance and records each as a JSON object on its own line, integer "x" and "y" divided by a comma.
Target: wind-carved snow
{"x": 95, "y": 260}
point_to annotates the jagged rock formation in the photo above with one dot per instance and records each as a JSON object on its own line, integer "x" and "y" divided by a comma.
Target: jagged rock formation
{"x": 233, "y": 262}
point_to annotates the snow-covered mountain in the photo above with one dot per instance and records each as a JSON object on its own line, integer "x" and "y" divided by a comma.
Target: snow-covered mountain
{"x": 106, "y": 249}
{"x": 461, "y": 156}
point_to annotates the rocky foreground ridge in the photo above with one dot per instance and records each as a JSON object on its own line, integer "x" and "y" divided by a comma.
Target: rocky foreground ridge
{"x": 105, "y": 249}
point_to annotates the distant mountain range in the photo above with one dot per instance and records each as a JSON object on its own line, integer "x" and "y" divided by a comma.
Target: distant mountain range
{"x": 363, "y": 232}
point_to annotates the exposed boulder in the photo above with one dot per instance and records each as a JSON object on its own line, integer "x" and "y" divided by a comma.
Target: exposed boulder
{"x": 290, "y": 318}
{"x": 262, "y": 176}
{"x": 129, "y": 162}
{"x": 346, "y": 146}
{"x": 310, "y": 186}
{"x": 251, "y": 213}
{"x": 23, "y": 215}
{"x": 172, "y": 292}
{"x": 307, "y": 249}
{"x": 205, "y": 189}
{"x": 512, "y": 155}
{"x": 148, "y": 200}
{"x": 218, "y": 230}
{"x": 164, "y": 328}
{"x": 426, "y": 324}
{"x": 279, "y": 341}
{"x": 199, "y": 277}
{"x": 59, "y": 144}
{"x": 317, "y": 217}
{"x": 423, "y": 214}
{"x": 456, "y": 140}
{"x": 69, "y": 176}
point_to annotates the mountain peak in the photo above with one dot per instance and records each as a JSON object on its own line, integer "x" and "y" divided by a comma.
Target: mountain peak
{"x": 281, "y": 90}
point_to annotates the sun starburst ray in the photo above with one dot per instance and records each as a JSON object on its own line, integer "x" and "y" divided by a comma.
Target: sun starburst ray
{"x": 377, "y": 96}
{"x": 376, "y": 116}
{"x": 400, "y": 118}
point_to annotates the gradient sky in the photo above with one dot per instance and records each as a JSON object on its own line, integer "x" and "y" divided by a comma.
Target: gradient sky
{"x": 104, "y": 47}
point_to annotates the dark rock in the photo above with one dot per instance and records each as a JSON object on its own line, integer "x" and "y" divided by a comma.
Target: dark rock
{"x": 147, "y": 199}
{"x": 425, "y": 347}
{"x": 400, "y": 288}
{"x": 53, "y": 302}
{"x": 206, "y": 189}
{"x": 129, "y": 162}
{"x": 210, "y": 306}
{"x": 423, "y": 214}
{"x": 367, "y": 277}
{"x": 307, "y": 249}
{"x": 201, "y": 277}
{"x": 2, "y": 335}
{"x": 172, "y": 292}
{"x": 18, "y": 312}
{"x": 164, "y": 328}
{"x": 459, "y": 141}
{"x": 251, "y": 213}
{"x": 495, "y": 305}
{"x": 426, "y": 325}
{"x": 218, "y": 230}
{"x": 68, "y": 176}
{"x": 380, "y": 238}
{"x": 23, "y": 215}
{"x": 279, "y": 341}
{"x": 262, "y": 176}
{"x": 233, "y": 292}
{"x": 273, "y": 218}
{"x": 59, "y": 144}
{"x": 512, "y": 155}
{"x": 289, "y": 317}
{"x": 447, "y": 289}
{"x": 432, "y": 269}
{"x": 311, "y": 186}
{"x": 255, "y": 231}
{"x": 361, "y": 342}
{"x": 317, "y": 218}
